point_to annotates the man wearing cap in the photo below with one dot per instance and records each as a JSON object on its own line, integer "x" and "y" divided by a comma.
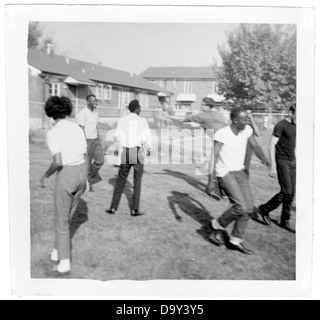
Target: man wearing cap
{"x": 211, "y": 121}
{"x": 133, "y": 134}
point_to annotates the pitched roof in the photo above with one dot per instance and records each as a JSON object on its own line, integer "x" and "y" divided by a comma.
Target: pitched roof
{"x": 88, "y": 72}
{"x": 186, "y": 73}
{"x": 53, "y": 64}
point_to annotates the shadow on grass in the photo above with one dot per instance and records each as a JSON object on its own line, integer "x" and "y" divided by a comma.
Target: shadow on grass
{"x": 278, "y": 224}
{"x": 79, "y": 218}
{"x": 187, "y": 178}
{"x": 127, "y": 190}
{"x": 194, "y": 209}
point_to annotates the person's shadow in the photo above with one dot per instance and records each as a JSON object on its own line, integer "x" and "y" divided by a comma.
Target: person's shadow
{"x": 195, "y": 183}
{"x": 194, "y": 209}
{"x": 127, "y": 190}
{"x": 79, "y": 218}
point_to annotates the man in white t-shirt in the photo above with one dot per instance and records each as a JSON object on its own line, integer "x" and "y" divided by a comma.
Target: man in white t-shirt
{"x": 230, "y": 150}
{"x": 88, "y": 120}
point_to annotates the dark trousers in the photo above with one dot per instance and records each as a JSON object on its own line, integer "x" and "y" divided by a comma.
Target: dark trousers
{"x": 236, "y": 186}
{"x": 286, "y": 170}
{"x": 95, "y": 153}
{"x": 130, "y": 158}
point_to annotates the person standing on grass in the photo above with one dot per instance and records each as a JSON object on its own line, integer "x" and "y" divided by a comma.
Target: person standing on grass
{"x": 230, "y": 149}
{"x": 133, "y": 133}
{"x": 212, "y": 185}
{"x": 88, "y": 120}
{"x": 68, "y": 146}
{"x": 283, "y": 162}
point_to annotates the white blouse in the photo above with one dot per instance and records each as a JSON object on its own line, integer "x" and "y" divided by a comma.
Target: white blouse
{"x": 68, "y": 139}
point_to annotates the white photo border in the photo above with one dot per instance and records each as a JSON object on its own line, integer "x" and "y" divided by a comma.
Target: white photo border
{"x": 17, "y": 19}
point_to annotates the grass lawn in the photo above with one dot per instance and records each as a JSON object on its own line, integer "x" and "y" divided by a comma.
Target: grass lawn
{"x": 157, "y": 245}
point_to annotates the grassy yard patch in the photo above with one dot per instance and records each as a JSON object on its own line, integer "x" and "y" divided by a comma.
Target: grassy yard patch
{"x": 170, "y": 241}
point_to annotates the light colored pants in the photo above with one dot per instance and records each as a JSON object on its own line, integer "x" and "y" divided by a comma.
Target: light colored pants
{"x": 236, "y": 185}
{"x": 70, "y": 185}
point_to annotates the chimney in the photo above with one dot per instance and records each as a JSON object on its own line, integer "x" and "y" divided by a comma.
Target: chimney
{"x": 67, "y": 60}
{"x": 49, "y": 48}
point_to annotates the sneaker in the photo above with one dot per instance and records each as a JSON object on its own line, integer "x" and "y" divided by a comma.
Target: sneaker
{"x": 64, "y": 267}
{"x": 54, "y": 256}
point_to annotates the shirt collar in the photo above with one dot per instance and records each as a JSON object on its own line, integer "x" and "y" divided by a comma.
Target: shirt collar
{"x": 94, "y": 110}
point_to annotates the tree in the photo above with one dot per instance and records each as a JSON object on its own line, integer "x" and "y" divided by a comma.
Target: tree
{"x": 37, "y": 39}
{"x": 35, "y": 33}
{"x": 259, "y": 66}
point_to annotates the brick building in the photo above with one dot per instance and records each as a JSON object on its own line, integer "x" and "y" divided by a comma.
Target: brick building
{"x": 51, "y": 74}
{"x": 188, "y": 84}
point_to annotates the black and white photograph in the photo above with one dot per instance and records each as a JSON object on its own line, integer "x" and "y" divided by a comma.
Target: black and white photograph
{"x": 171, "y": 146}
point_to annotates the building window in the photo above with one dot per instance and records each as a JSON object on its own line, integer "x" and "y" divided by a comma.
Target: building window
{"x": 163, "y": 83}
{"x": 175, "y": 84}
{"x": 144, "y": 101}
{"x": 99, "y": 91}
{"x": 123, "y": 99}
{"x": 187, "y": 87}
{"x": 107, "y": 92}
{"x": 215, "y": 88}
{"x": 54, "y": 89}
{"x": 103, "y": 92}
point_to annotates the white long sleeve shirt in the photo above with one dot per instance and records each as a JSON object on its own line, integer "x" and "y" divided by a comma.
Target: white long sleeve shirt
{"x": 133, "y": 131}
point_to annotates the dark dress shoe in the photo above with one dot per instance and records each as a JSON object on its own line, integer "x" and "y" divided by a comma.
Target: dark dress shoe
{"x": 111, "y": 211}
{"x": 217, "y": 237}
{"x": 213, "y": 194}
{"x": 265, "y": 216}
{"x": 136, "y": 213}
{"x": 286, "y": 225}
{"x": 240, "y": 247}
{"x": 254, "y": 215}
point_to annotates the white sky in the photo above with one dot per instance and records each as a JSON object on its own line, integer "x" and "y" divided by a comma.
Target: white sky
{"x": 134, "y": 47}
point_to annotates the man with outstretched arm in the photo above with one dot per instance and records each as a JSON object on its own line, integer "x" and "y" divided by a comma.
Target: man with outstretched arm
{"x": 211, "y": 121}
